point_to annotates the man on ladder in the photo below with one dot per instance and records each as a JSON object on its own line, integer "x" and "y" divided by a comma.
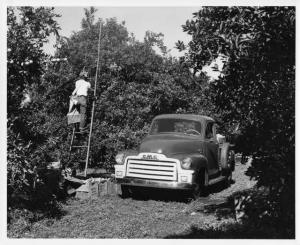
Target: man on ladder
{"x": 81, "y": 91}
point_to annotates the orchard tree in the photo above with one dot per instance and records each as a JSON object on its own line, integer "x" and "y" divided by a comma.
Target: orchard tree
{"x": 135, "y": 83}
{"x": 257, "y": 91}
{"x": 28, "y": 30}
{"x": 25, "y": 38}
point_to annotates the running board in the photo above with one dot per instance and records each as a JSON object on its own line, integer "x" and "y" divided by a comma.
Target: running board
{"x": 216, "y": 180}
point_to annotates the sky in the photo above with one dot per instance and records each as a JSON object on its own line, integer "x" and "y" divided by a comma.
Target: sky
{"x": 138, "y": 20}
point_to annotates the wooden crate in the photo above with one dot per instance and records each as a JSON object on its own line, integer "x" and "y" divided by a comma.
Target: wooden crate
{"x": 113, "y": 188}
{"x": 88, "y": 190}
{"x": 109, "y": 188}
{"x": 95, "y": 189}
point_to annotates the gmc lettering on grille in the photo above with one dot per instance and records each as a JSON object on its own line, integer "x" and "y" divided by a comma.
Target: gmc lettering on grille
{"x": 150, "y": 157}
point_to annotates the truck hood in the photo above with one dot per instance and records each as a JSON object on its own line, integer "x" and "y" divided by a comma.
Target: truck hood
{"x": 171, "y": 144}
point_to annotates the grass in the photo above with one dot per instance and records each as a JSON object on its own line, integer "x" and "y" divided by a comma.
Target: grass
{"x": 164, "y": 215}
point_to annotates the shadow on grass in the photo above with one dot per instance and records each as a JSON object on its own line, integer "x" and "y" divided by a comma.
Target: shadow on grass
{"x": 230, "y": 231}
{"x": 234, "y": 221}
{"x": 167, "y": 195}
{"x": 145, "y": 194}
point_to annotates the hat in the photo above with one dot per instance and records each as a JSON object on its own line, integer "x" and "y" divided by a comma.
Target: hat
{"x": 83, "y": 73}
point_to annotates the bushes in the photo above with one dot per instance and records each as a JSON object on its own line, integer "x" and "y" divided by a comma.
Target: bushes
{"x": 257, "y": 91}
{"x": 28, "y": 183}
{"x": 135, "y": 84}
{"x": 26, "y": 143}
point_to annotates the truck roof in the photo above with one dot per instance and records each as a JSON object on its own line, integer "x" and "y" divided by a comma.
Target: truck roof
{"x": 185, "y": 116}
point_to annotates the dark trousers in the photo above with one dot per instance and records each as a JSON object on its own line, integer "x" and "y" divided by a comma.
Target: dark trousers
{"x": 82, "y": 109}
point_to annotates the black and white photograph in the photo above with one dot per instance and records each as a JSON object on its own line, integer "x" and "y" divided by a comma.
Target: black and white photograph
{"x": 149, "y": 121}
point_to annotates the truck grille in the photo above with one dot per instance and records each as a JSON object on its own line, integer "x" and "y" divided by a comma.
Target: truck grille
{"x": 151, "y": 169}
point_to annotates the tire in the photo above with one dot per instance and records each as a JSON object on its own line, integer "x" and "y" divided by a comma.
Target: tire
{"x": 232, "y": 160}
{"x": 126, "y": 192}
{"x": 228, "y": 180}
{"x": 226, "y": 159}
{"x": 201, "y": 187}
{"x": 228, "y": 166}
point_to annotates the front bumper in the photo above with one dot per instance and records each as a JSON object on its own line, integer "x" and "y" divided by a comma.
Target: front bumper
{"x": 128, "y": 181}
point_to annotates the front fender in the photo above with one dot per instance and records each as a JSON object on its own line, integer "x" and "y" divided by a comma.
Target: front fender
{"x": 128, "y": 153}
{"x": 199, "y": 161}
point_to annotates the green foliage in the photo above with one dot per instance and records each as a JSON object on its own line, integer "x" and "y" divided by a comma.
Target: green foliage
{"x": 135, "y": 84}
{"x": 257, "y": 90}
{"x": 26, "y": 37}
{"x": 27, "y": 145}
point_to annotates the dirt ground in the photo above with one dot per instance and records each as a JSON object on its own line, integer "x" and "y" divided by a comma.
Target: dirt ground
{"x": 160, "y": 215}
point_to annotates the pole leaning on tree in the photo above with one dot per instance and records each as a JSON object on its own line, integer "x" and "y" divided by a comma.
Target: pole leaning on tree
{"x": 94, "y": 102}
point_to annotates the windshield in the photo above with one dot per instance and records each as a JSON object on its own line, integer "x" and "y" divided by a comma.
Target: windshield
{"x": 169, "y": 125}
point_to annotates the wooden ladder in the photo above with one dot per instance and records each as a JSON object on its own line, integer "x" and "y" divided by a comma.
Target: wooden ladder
{"x": 87, "y": 145}
{"x": 81, "y": 141}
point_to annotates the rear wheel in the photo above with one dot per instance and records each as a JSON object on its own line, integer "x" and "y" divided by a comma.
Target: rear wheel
{"x": 231, "y": 159}
{"x": 227, "y": 160}
{"x": 224, "y": 158}
{"x": 228, "y": 180}
{"x": 227, "y": 163}
{"x": 201, "y": 187}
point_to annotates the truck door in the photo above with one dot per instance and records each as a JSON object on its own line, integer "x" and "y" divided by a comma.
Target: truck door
{"x": 212, "y": 148}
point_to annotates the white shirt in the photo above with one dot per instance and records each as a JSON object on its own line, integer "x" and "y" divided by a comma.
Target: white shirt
{"x": 81, "y": 88}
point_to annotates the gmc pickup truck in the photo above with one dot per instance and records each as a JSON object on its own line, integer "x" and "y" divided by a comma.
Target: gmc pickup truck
{"x": 181, "y": 151}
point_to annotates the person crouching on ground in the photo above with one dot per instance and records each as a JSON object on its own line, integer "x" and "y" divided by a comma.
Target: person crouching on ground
{"x": 81, "y": 91}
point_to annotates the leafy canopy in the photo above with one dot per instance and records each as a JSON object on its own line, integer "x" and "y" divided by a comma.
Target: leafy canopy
{"x": 25, "y": 67}
{"x": 257, "y": 90}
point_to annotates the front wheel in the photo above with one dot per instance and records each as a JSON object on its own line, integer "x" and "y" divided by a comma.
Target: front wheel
{"x": 126, "y": 191}
{"x": 201, "y": 187}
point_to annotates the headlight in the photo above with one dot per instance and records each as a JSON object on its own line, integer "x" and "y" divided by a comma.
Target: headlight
{"x": 120, "y": 158}
{"x": 186, "y": 163}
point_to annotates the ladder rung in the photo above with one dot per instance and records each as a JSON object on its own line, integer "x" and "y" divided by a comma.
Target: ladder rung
{"x": 79, "y": 146}
{"x": 83, "y": 132}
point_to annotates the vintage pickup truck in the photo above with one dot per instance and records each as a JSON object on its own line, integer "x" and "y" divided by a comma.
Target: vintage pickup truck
{"x": 180, "y": 152}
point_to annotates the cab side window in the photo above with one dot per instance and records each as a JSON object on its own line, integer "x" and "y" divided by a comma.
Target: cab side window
{"x": 209, "y": 131}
